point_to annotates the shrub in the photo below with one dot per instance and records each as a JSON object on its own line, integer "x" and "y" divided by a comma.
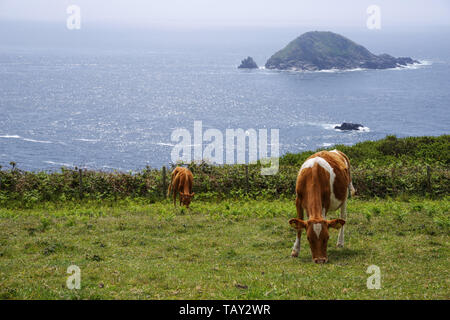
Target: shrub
{"x": 384, "y": 168}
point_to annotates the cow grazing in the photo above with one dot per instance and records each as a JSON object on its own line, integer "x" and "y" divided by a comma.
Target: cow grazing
{"x": 181, "y": 182}
{"x": 322, "y": 185}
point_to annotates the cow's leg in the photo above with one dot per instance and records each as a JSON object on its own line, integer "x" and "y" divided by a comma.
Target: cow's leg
{"x": 296, "y": 247}
{"x": 175, "y": 191}
{"x": 340, "y": 241}
{"x": 175, "y": 188}
{"x": 174, "y": 198}
{"x": 190, "y": 182}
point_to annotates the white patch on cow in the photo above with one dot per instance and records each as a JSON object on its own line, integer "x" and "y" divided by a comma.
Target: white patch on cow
{"x": 296, "y": 247}
{"x": 334, "y": 202}
{"x": 317, "y": 227}
{"x": 321, "y": 162}
{"x": 324, "y": 213}
{"x": 309, "y": 163}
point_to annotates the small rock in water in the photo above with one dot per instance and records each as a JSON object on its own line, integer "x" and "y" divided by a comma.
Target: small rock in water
{"x": 248, "y": 63}
{"x": 349, "y": 126}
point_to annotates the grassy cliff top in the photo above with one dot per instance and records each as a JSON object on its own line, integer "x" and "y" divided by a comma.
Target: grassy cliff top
{"x": 313, "y": 44}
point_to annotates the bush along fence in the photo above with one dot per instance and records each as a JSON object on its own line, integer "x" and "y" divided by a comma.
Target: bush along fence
{"x": 214, "y": 182}
{"x": 379, "y": 169}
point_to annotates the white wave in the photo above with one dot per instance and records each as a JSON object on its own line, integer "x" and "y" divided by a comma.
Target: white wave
{"x": 108, "y": 167}
{"x": 333, "y": 70}
{"x": 165, "y": 144}
{"x": 24, "y": 139}
{"x": 327, "y": 144}
{"x": 413, "y": 66}
{"x": 59, "y": 163}
{"x": 330, "y": 126}
{"x": 87, "y": 140}
{"x": 36, "y": 141}
{"x": 426, "y": 62}
{"x": 364, "y": 129}
{"x": 172, "y": 145}
{"x": 338, "y": 70}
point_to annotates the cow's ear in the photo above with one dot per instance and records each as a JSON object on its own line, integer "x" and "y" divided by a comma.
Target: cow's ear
{"x": 335, "y": 223}
{"x": 192, "y": 194}
{"x": 297, "y": 224}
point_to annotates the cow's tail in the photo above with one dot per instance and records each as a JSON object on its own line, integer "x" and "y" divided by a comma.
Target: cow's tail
{"x": 352, "y": 189}
{"x": 350, "y": 186}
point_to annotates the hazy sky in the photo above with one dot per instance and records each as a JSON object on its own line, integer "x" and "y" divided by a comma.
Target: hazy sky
{"x": 200, "y": 13}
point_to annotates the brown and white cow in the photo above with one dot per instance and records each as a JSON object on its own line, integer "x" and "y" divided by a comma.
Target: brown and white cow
{"x": 322, "y": 185}
{"x": 181, "y": 182}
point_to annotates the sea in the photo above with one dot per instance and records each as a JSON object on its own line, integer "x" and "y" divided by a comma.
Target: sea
{"x": 110, "y": 98}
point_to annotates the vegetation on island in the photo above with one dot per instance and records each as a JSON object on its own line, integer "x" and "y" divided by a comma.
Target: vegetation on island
{"x": 320, "y": 50}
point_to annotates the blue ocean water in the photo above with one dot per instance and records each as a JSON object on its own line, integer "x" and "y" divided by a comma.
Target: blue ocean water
{"x": 115, "y": 107}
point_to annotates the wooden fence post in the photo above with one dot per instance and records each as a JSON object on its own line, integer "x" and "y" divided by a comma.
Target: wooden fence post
{"x": 246, "y": 179}
{"x": 394, "y": 189}
{"x": 164, "y": 181}
{"x": 80, "y": 183}
{"x": 429, "y": 179}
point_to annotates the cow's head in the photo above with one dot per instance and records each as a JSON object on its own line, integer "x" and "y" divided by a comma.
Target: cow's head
{"x": 186, "y": 198}
{"x": 317, "y": 234}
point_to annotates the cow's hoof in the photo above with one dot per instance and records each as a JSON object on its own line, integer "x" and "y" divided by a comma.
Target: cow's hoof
{"x": 339, "y": 245}
{"x": 294, "y": 254}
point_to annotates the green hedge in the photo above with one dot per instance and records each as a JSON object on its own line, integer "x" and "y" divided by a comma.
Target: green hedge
{"x": 388, "y": 167}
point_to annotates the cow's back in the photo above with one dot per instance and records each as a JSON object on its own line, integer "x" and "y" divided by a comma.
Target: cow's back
{"x": 185, "y": 178}
{"x": 327, "y": 174}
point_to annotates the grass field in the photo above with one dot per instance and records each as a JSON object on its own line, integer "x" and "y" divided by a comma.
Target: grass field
{"x": 223, "y": 250}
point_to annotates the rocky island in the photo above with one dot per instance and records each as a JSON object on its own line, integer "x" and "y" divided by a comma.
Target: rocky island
{"x": 320, "y": 50}
{"x": 248, "y": 63}
{"x": 349, "y": 126}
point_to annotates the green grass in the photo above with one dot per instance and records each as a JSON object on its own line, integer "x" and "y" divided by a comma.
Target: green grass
{"x": 221, "y": 250}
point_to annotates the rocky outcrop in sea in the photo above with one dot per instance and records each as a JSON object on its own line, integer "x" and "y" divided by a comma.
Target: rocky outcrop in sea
{"x": 318, "y": 50}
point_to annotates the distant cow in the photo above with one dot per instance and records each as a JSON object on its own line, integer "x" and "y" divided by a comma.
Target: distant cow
{"x": 322, "y": 185}
{"x": 182, "y": 181}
